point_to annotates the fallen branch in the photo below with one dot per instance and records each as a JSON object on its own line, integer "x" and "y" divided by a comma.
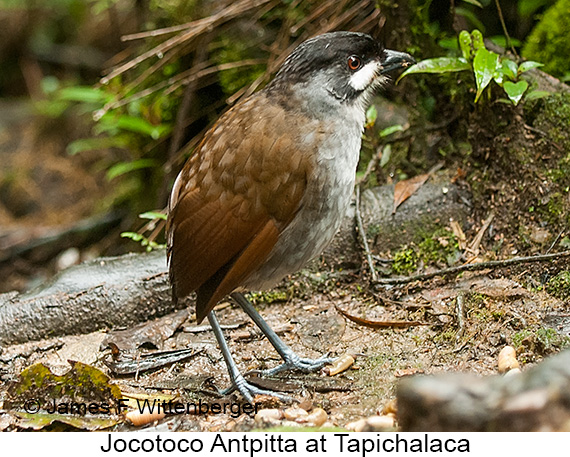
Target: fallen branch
{"x": 473, "y": 267}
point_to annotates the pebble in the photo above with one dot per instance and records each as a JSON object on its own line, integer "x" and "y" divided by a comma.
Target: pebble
{"x": 373, "y": 424}
{"x": 507, "y": 359}
{"x": 269, "y": 415}
{"x": 317, "y": 417}
{"x": 295, "y": 414}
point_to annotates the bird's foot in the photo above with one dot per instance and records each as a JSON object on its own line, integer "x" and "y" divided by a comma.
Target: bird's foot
{"x": 294, "y": 362}
{"x": 248, "y": 390}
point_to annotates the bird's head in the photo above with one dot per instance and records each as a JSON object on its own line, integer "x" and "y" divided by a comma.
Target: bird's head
{"x": 339, "y": 68}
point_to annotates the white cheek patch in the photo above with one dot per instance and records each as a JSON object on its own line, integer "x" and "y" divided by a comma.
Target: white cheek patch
{"x": 365, "y": 76}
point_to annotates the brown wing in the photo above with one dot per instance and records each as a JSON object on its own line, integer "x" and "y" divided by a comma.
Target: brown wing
{"x": 234, "y": 196}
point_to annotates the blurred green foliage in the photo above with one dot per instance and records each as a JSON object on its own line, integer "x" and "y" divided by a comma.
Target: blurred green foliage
{"x": 549, "y": 41}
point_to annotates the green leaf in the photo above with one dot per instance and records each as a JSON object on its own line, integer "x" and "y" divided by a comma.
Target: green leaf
{"x": 515, "y": 91}
{"x": 139, "y": 125}
{"x": 84, "y": 94}
{"x": 501, "y": 40}
{"x": 510, "y": 68}
{"x": 536, "y": 94}
{"x": 371, "y": 115}
{"x": 132, "y": 235}
{"x": 91, "y": 144}
{"x": 466, "y": 45}
{"x": 474, "y": 2}
{"x": 389, "y": 130}
{"x": 386, "y": 154}
{"x": 477, "y": 38}
{"x": 485, "y": 65}
{"x": 528, "y": 65}
{"x": 507, "y": 68}
{"x": 125, "y": 167}
{"x": 152, "y": 215}
{"x": 438, "y": 65}
{"x": 448, "y": 43}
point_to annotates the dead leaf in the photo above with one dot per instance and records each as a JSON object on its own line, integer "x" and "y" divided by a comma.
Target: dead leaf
{"x": 124, "y": 364}
{"x": 82, "y": 398}
{"x": 405, "y": 189}
{"x": 459, "y": 235}
{"x": 378, "y": 324}
{"x": 153, "y": 332}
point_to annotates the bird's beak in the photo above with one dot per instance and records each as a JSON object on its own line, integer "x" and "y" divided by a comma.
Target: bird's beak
{"x": 395, "y": 60}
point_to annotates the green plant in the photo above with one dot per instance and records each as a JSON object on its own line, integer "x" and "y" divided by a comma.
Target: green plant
{"x": 486, "y": 66}
{"x": 155, "y": 225}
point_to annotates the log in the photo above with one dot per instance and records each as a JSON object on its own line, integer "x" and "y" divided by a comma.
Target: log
{"x": 107, "y": 292}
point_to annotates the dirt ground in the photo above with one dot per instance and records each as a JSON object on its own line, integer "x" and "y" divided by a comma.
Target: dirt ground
{"x": 495, "y": 312}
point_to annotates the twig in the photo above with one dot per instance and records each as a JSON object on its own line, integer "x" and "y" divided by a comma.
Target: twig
{"x": 555, "y": 241}
{"x": 363, "y": 237}
{"x": 371, "y": 165}
{"x": 502, "y": 19}
{"x": 175, "y": 82}
{"x": 474, "y": 247}
{"x": 473, "y": 267}
{"x": 460, "y": 311}
{"x": 200, "y": 26}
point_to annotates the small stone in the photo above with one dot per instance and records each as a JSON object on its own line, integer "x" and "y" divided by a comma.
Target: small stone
{"x": 373, "y": 424}
{"x": 507, "y": 359}
{"x": 317, "y": 417}
{"x": 356, "y": 426}
{"x": 339, "y": 365}
{"x": 513, "y": 372}
{"x": 380, "y": 423}
{"x": 269, "y": 415}
{"x": 295, "y": 414}
{"x": 67, "y": 258}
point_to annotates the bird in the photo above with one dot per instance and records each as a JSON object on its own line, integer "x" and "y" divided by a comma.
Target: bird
{"x": 266, "y": 189}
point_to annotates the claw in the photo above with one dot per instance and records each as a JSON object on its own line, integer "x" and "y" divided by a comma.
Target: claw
{"x": 295, "y": 362}
{"x": 249, "y": 390}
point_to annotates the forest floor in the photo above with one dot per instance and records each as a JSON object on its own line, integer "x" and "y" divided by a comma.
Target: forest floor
{"x": 463, "y": 322}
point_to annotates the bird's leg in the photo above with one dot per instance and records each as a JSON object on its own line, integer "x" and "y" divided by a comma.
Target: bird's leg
{"x": 238, "y": 381}
{"x": 291, "y": 359}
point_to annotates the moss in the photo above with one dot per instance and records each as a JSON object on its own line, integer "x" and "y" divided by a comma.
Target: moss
{"x": 405, "y": 261}
{"x": 549, "y": 42}
{"x": 552, "y": 115}
{"x": 445, "y": 337}
{"x": 559, "y": 286}
{"x": 561, "y": 174}
{"x": 440, "y": 247}
{"x": 548, "y": 339}
{"x": 373, "y": 230}
{"x": 554, "y": 209}
{"x": 272, "y": 296}
{"x": 519, "y": 337}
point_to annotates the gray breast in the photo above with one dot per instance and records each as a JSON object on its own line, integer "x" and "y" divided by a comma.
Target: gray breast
{"x": 323, "y": 207}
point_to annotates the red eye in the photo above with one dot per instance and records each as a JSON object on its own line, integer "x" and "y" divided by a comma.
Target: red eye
{"x": 354, "y": 63}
